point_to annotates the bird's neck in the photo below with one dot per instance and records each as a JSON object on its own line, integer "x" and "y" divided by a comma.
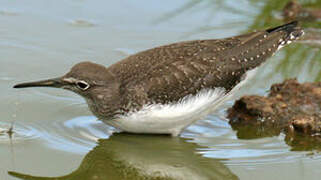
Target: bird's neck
{"x": 103, "y": 110}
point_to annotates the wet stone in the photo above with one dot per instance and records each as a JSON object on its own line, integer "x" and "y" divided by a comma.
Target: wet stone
{"x": 81, "y": 23}
{"x": 294, "y": 10}
{"x": 290, "y": 107}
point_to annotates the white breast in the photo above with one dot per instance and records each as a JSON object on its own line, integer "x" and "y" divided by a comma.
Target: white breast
{"x": 170, "y": 118}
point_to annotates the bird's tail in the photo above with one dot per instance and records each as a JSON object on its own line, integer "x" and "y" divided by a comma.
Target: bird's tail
{"x": 256, "y": 47}
{"x": 289, "y": 27}
{"x": 290, "y": 32}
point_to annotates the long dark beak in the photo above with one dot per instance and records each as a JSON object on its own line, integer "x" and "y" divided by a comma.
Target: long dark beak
{"x": 55, "y": 82}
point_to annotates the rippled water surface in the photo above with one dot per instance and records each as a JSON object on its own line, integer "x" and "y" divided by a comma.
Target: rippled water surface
{"x": 56, "y": 136}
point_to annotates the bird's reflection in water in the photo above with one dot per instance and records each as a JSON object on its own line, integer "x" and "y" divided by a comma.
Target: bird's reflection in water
{"x": 125, "y": 156}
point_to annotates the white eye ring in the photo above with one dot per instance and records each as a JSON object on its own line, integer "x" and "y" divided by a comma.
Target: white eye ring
{"x": 83, "y": 85}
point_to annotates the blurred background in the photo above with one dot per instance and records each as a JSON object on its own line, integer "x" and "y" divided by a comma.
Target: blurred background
{"x": 55, "y": 135}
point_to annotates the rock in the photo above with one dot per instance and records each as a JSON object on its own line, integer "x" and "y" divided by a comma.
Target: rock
{"x": 293, "y": 10}
{"x": 290, "y": 107}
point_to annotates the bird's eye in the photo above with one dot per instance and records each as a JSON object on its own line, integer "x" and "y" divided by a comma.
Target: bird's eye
{"x": 82, "y": 85}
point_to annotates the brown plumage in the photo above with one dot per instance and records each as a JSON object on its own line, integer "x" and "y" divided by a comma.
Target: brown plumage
{"x": 166, "y": 74}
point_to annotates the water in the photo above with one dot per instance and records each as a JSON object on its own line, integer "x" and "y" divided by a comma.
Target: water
{"x": 56, "y": 135}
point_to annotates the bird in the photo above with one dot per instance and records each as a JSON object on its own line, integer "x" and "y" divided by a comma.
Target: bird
{"x": 165, "y": 89}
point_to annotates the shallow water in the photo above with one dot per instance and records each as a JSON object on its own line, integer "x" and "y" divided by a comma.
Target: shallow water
{"x": 55, "y": 135}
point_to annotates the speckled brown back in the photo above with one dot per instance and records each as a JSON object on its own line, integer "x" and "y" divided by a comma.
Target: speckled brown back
{"x": 168, "y": 73}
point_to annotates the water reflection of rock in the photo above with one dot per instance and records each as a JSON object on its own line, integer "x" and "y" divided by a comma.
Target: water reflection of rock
{"x": 290, "y": 107}
{"x": 144, "y": 157}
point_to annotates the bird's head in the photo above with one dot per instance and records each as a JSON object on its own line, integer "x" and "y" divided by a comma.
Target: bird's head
{"x": 92, "y": 81}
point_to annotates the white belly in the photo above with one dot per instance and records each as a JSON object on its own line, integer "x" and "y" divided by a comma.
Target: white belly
{"x": 170, "y": 118}
{"x": 173, "y": 118}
